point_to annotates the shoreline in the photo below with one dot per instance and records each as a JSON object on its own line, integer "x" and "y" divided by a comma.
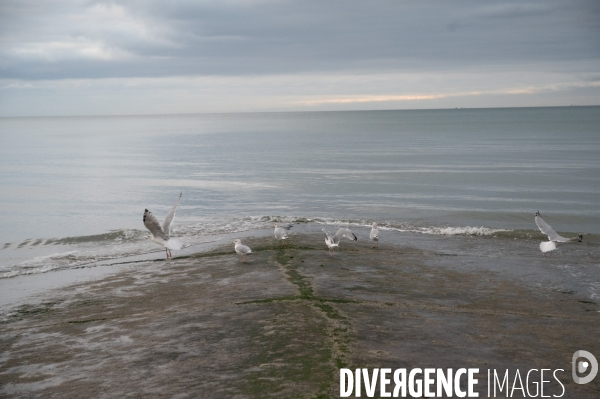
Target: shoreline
{"x": 284, "y": 323}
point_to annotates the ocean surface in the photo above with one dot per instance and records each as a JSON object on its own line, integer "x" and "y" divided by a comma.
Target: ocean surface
{"x": 73, "y": 189}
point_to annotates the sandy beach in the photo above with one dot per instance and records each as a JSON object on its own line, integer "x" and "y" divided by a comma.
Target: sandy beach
{"x": 284, "y": 323}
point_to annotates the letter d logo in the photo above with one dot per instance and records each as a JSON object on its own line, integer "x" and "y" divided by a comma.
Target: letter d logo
{"x": 583, "y": 366}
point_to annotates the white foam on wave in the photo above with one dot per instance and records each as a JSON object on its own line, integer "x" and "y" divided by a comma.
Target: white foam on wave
{"x": 460, "y": 231}
{"x": 46, "y": 257}
{"x": 434, "y": 230}
{"x": 35, "y": 270}
{"x": 235, "y": 225}
{"x": 86, "y": 254}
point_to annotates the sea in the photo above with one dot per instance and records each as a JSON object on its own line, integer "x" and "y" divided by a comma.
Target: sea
{"x": 463, "y": 182}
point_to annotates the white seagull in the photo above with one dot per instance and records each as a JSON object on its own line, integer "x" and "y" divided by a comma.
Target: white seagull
{"x": 374, "y": 236}
{"x": 242, "y": 249}
{"x": 161, "y": 234}
{"x": 553, "y": 237}
{"x": 334, "y": 241}
{"x": 280, "y": 233}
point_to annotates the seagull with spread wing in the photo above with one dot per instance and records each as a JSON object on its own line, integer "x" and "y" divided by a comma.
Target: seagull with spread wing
{"x": 334, "y": 241}
{"x": 553, "y": 237}
{"x": 161, "y": 234}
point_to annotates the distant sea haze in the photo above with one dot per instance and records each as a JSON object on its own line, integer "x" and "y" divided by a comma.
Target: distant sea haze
{"x": 80, "y": 180}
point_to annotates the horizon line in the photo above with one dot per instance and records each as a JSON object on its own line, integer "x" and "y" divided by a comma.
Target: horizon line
{"x": 298, "y": 111}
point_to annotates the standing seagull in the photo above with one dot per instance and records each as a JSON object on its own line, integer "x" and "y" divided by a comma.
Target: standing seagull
{"x": 280, "y": 233}
{"x": 161, "y": 234}
{"x": 242, "y": 249}
{"x": 553, "y": 237}
{"x": 374, "y": 235}
{"x": 334, "y": 241}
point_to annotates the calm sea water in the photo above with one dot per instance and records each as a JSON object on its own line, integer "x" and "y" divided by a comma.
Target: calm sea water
{"x": 73, "y": 189}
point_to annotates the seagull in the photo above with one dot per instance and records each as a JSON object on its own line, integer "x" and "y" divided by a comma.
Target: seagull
{"x": 374, "y": 235}
{"x": 553, "y": 237}
{"x": 161, "y": 234}
{"x": 280, "y": 233}
{"x": 334, "y": 241}
{"x": 242, "y": 249}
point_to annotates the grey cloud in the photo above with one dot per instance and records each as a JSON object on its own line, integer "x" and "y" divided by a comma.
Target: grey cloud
{"x": 513, "y": 10}
{"x": 55, "y": 40}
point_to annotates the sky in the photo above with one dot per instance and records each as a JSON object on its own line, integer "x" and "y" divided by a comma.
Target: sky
{"x": 76, "y": 57}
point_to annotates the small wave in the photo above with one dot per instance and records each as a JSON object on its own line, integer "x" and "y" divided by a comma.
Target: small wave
{"x": 37, "y": 259}
{"x": 235, "y": 225}
{"x": 401, "y": 227}
{"x": 114, "y": 235}
{"x": 24, "y": 243}
{"x": 69, "y": 260}
{"x": 405, "y": 227}
{"x": 244, "y": 224}
{"x": 461, "y": 231}
{"x": 111, "y": 236}
{"x": 36, "y": 270}
{"x": 81, "y": 251}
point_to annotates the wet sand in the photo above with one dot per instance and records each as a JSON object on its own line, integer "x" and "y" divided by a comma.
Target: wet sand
{"x": 283, "y": 324}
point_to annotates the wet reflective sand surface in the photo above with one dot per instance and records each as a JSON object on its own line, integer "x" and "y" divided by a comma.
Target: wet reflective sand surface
{"x": 282, "y": 325}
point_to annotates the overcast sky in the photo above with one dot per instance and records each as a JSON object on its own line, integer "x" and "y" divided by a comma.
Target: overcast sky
{"x": 181, "y": 56}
